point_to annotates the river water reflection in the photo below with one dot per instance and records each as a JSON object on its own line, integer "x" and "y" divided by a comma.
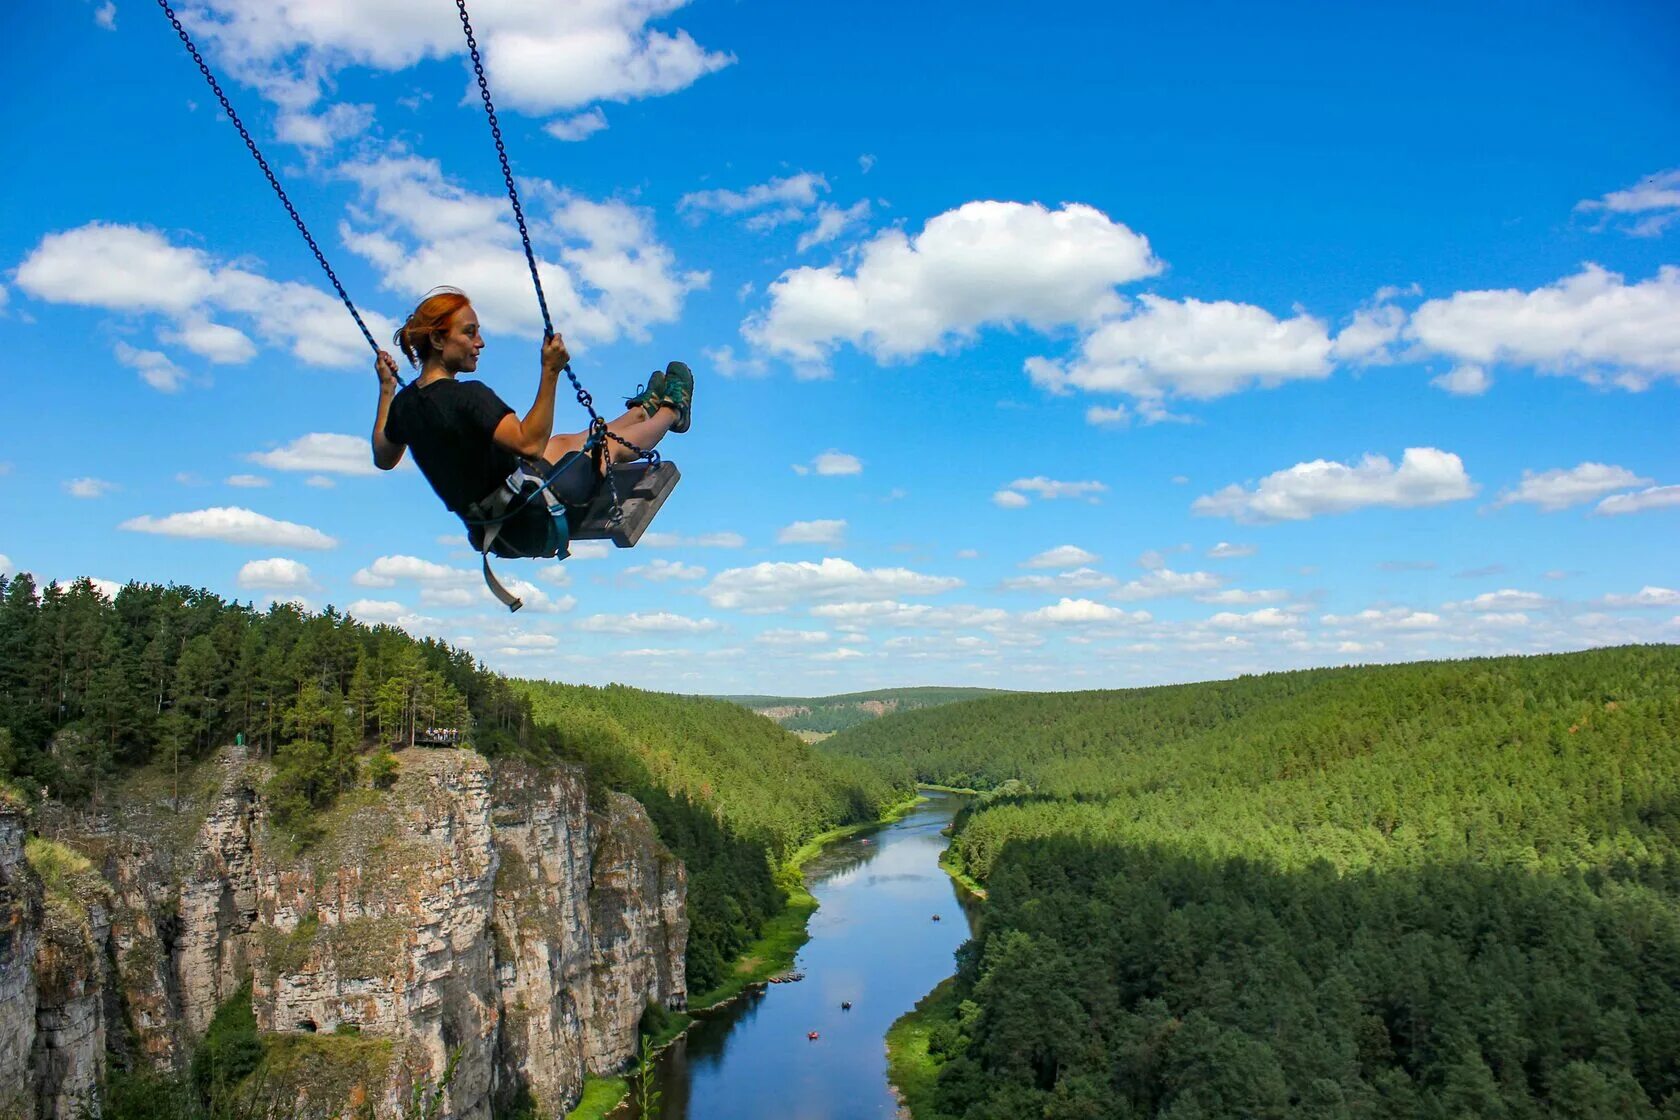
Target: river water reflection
{"x": 874, "y": 943}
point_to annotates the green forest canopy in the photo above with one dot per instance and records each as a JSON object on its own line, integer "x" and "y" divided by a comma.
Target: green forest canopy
{"x": 1434, "y": 890}
{"x": 94, "y": 690}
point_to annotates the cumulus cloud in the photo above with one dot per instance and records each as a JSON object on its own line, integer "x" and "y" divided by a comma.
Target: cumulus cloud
{"x": 1062, "y": 556}
{"x": 1425, "y": 476}
{"x": 1078, "y": 612}
{"x": 1465, "y": 380}
{"x": 831, "y": 463}
{"x": 1266, "y": 618}
{"x": 247, "y": 481}
{"x": 578, "y": 127}
{"x": 1652, "y": 497}
{"x": 106, "y": 15}
{"x": 661, "y": 571}
{"x": 1591, "y": 325}
{"x": 1366, "y": 338}
{"x": 1227, "y": 551}
{"x": 812, "y": 532}
{"x": 982, "y": 264}
{"x": 605, "y": 272}
{"x": 773, "y": 586}
{"x": 153, "y": 366}
{"x": 1645, "y": 597}
{"x": 1014, "y": 496}
{"x": 657, "y": 622}
{"x": 1010, "y": 499}
{"x": 89, "y": 487}
{"x": 138, "y": 271}
{"x": 793, "y": 638}
{"x": 6, "y": 567}
{"x": 1505, "y": 599}
{"x": 768, "y": 204}
{"x": 833, "y": 222}
{"x": 898, "y": 615}
{"x": 293, "y": 52}
{"x": 1644, "y": 209}
{"x": 1078, "y": 579}
{"x": 1390, "y": 618}
{"x": 1568, "y": 486}
{"x": 1163, "y": 583}
{"x": 1187, "y": 348}
{"x": 320, "y": 453}
{"x": 388, "y": 571}
{"x": 1237, "y": 597}
{"x": 232, "y": 524}
{"x": 275, "y": 574}
{"x": 676, "y": 540}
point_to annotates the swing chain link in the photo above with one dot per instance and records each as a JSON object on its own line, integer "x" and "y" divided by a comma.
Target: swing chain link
{"x": 245, "y": 135}
{"x": 597, "y": 427}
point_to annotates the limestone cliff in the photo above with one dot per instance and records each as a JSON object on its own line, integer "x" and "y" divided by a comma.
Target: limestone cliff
{"x": 493, "y": 911}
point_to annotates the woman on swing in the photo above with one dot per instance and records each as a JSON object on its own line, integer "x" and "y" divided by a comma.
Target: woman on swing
{"x": 466, "y": 439}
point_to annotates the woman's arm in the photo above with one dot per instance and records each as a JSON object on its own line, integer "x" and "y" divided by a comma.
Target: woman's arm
{"x": 530, "y": 435}
{"x": 387, "y": 453}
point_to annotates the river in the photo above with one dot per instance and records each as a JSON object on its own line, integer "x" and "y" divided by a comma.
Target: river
{"x": 873, "y": 942}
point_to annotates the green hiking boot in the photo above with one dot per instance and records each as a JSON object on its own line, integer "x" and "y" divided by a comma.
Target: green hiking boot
{"x": 648, "y": 399}
{"x": 678, "y": 392}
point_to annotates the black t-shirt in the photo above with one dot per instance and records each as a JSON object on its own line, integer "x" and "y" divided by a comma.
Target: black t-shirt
{"x": 449, "y": 425}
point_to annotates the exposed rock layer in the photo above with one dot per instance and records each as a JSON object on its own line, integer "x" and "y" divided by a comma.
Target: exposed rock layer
{"x": 495, "y": 912}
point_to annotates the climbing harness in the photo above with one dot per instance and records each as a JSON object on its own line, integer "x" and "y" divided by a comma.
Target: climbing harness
{"x": 510, "y": 521}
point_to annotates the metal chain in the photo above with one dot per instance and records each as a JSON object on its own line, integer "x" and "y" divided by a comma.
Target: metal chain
{"x": 245, "y": 135}
{"x": 597, "y": 427}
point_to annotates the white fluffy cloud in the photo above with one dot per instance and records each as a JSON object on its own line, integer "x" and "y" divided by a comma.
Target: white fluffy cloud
{"x": 661, "y": 571}
{"x": 1568, "y": 486}
{"x": 769, "y": 204}
{"x": 580, "y": 126}
{"x": 812, "y": 532}
{"x": 320, "y": 453}
{"x": 276, "y": 574}
{"x": 1644, "y": 597}
{"x": 1062, "y": 556}
{"x": 153, "y": 366}
{"x": 1652, "y": 497}
{"x": 982, "y": 264}
{"x": 1163, "y": 583}
{"x": 1014, "y": 496}
{"x": 135, "y": 270}
{"x": 89, "y": 487}
{"x": 1425, "y": 476}
{"x": 1591, "y": 325}
{"x": 1386, "y": 619}
{"x": 247, "y": 481}
{"x": 831, "y": 463}
{"x": 657, "y": 622}
{"x": 604, "y": 271}
{"x": 541, "y": 58}
{"x": 772, "y": 586}
{"x": 1062, "y": 583}
{"x": 1369, "y": 334}
{"x": 1079, "y": 612}
{"x": 388, "y": 571}
{"x": 1188, "y": 348}
{"x": 672, "y": 540}
{"x": 1464, "y": 380}
{"x": 922, "y": 616}
{"x": 1648, "y": 206}
{"x": 234, "y": 525}
{"x": 6, "y": 568}
{"x": 1227, "y": 551}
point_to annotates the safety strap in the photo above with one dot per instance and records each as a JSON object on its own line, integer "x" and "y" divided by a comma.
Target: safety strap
{"x": 491, "y": 513}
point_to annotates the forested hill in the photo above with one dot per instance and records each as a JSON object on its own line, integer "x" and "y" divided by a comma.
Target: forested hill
{"x": 823, "y": 715}
{"x": 1433, "y": 890}
{"x": 93, "y": 688}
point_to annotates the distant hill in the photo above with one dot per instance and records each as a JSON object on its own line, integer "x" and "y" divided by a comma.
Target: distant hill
{"x": 820, "y": 716}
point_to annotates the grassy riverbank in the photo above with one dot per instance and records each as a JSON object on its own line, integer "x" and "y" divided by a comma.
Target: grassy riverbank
{"x": 771, "y": 954}
{"x": 910, "y": 1068}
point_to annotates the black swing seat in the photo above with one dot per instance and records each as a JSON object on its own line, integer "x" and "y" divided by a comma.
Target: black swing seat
{"x": 642, "y": 489}
{"x": 541, "y": 508}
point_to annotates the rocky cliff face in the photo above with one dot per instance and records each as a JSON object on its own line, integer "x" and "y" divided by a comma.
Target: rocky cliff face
{"x": 490, "y": 912}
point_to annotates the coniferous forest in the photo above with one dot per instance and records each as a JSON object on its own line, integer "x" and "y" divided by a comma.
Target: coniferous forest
{"x": 1432, "y": 890}
{"x": 93, "y": 690}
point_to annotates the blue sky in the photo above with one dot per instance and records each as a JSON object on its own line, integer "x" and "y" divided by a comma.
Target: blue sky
{"x": 1087, "y": 347}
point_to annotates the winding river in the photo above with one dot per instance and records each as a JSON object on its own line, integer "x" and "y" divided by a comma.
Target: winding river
{"x": 874, "y": 943}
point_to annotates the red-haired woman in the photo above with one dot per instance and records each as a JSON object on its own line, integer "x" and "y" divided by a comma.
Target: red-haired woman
{"x": 466, "y": 440}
